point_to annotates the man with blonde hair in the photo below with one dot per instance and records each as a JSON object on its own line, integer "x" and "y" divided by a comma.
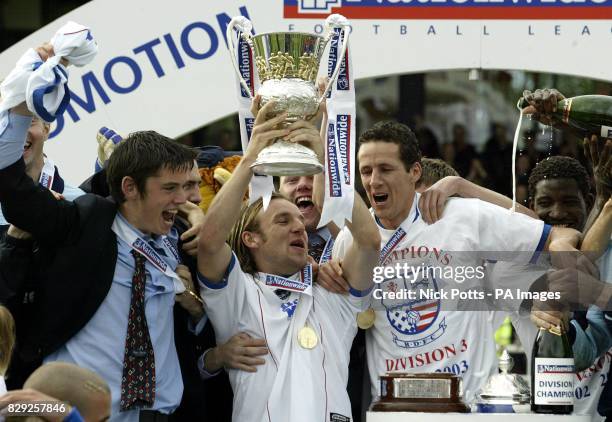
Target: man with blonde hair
{"x": 264, "y": 287}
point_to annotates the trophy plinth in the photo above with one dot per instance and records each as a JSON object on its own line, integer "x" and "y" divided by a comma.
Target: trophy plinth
{"x": 287, "y": 64}
{"x": 430, "y": 393}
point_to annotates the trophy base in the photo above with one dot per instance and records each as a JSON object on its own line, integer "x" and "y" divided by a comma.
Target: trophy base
{"x": 422, "y": 406}
{"x": 287, "y": 159}
{"x": 427, "y": 392}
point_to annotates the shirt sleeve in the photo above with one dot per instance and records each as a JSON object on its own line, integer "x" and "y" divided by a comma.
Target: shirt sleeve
{"x": 343, "y": 239}
{"x": 355, "y": 300}
{"x": 224, "y": 301}
{"x": 13, "y": 138}
{"x": 501, "y": 231}
{"x": 204, "y": 374}
{"x": 346, "y": 306}
{"x": 592, "y": 342}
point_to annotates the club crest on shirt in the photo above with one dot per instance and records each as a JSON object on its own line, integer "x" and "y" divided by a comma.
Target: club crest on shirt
{"x": 412, "y": 317}
{"x": 289, "y": 307}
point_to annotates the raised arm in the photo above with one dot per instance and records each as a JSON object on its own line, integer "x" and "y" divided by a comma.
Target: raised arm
{"x": 363, "y": 254}
{"x": 214, "y": 254}
{"x": 431, "y": 202}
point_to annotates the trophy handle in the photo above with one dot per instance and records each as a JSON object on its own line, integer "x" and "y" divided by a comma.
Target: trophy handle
{"x": 344, "y": 26}
{"x": 245, "y": 27}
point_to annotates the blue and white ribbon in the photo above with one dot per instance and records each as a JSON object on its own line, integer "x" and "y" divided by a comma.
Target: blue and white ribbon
{"x": 300, "y": 282}
{"x": 261, "y": 186}
{"x": 47, "y": 174}
{"x": 340, "y": 133}
{"x": 124, "y": 232}
{"x": 43, "y": 85}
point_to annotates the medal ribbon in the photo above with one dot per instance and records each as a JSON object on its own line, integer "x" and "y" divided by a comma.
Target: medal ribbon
{"x": 327, "y": 251}
{"x": 47, "y": 173}
{"x": 121, "y": 228}
{"x": 397, "y": 237}
{"x": 302, "y": 285}
{"x": 391, "y": 244}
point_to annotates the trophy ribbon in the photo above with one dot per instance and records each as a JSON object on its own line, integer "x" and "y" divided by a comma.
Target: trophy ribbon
{"x": 261, "y": 186}
{"x": 340, "y": 133}
{"x": 287, "y": 64}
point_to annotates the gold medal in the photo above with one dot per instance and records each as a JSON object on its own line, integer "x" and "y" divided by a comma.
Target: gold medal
{"x": 366, "y": 318}
{"x": 307, "y": 338}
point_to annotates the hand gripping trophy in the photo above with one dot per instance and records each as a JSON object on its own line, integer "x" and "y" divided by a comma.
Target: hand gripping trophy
{"x": 287, "y": 65}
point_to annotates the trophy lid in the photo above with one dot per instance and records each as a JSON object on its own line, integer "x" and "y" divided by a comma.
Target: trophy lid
{"x": 505, "y": 388}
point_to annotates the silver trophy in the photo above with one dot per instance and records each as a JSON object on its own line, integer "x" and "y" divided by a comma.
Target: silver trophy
{"x": 287, "y": 66}
{"x": 504, "y": 392}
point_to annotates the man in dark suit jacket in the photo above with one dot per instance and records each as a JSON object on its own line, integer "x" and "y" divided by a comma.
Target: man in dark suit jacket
{"x": 86, "y": 272}
{"x": 206, "y": 392}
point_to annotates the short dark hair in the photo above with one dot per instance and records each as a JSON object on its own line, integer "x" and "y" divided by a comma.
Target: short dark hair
{"x": 434, "y": 169}
{"x": 142, "y": 155}
{"x": 396, "y": 133}
{"x": 560, "y": 167}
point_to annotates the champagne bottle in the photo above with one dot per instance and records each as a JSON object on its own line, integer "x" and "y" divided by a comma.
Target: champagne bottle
{"x": 585, "y": 114}
{"x": 552, "y": 373}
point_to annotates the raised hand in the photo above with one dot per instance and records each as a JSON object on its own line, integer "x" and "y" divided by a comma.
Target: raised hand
{"x": 265, "y": 129}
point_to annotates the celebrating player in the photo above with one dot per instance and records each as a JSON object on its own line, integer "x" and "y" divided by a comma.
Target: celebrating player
{"x": 418, "y": 335}
{"x": 262, "y": 285}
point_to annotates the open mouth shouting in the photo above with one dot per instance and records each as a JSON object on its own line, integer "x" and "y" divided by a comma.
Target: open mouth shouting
{"x": 304, "y": 203}
{"x": 379, "y": 199}
{"x": 27, "y": 148}
{"x": 169, "y": 216}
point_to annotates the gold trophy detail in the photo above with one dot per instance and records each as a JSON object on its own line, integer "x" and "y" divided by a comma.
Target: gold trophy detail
{"x": 287, "y": 65}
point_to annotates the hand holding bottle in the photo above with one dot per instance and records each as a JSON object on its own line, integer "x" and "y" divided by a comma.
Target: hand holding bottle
{"x": 541, "y": 104}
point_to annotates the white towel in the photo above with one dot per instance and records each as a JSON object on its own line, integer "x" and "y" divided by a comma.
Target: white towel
{"x": 43, "y": 86}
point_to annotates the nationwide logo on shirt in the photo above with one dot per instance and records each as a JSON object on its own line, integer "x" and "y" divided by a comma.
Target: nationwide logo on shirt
{"x": 449, "y": 9}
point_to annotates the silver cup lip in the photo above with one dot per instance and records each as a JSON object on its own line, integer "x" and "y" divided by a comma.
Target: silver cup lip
{"x": 263, "y": 34}
{"x": 295, "y": 167}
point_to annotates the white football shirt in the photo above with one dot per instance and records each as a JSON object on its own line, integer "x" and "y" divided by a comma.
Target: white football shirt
{"x": 295, "y": 384}
{"x": 418, "y": 336}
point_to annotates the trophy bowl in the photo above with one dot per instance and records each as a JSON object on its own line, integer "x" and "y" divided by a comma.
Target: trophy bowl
{"x": 287, "y": 65}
